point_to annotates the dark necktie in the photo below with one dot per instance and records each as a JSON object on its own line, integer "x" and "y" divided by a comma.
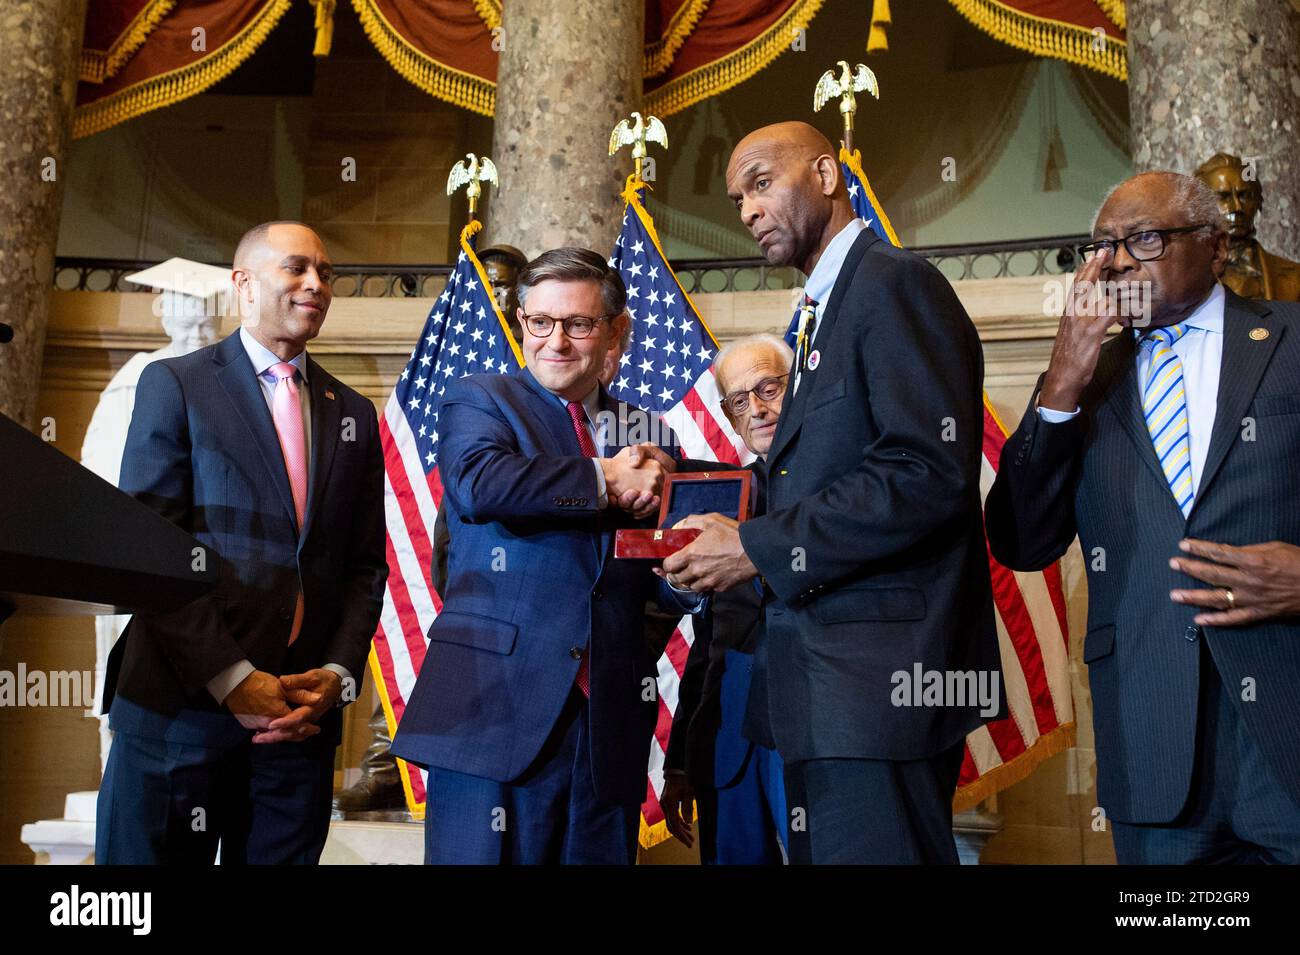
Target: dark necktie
{"x": 588, "y": 447}
{"x": 807, "y": 325}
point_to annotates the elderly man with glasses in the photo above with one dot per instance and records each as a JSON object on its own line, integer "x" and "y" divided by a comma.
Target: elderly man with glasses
{"x": 1181, "y": 431}
{"x": 727, "y": 766}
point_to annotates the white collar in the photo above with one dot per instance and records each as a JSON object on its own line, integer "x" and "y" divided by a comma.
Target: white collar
{"x": 822, "y": 280}
{"x": 263, "y": 358}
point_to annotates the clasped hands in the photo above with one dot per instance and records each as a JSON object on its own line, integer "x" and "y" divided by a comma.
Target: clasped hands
{"x": 634, "y": 478}
{"x": 284, "y": 709}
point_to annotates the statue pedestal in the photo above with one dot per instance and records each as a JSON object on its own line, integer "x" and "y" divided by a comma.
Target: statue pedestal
{"x": 972, "y": 830}
{"x": 66, "y": 841}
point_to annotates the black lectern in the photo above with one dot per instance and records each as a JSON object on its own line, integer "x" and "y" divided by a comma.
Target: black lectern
{"x": 70, "y": 542}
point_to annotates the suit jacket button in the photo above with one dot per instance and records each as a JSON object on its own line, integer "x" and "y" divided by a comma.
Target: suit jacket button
{"x": 597, "y": 594}
{"x": 575, "y": 652}
{"x": 1191, "y": 633}
{"x": 582, "y": 502}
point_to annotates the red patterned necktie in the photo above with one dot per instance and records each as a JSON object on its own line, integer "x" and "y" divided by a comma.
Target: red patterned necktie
{"x": 588, "y": 447}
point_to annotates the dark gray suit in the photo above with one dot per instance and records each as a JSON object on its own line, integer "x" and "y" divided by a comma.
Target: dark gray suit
{"x": 1151, "y": 669}
{"x": 873, "y": 554}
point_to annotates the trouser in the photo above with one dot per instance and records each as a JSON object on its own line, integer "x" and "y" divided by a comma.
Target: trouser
{"x": 873, "y": 811}
{"x": 1237, "y": 810}
{"x": 166, "y": 802}
{"x": 548, "y": 815}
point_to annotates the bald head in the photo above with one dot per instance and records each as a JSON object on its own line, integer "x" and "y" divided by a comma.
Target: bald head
{"x": 786, "y": 183}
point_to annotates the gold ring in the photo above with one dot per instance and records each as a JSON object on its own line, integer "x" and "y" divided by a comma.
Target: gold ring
{"x": 1230, "y": 597}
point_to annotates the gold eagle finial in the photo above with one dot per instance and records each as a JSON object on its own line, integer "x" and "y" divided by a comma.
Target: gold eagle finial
{"x": 474, "y": 170}
{"x": 856, "y": 80}
{"x": 637, "y": 132}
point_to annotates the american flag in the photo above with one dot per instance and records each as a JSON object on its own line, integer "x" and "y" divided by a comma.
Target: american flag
{"x": 667, "y": 370}
{"x": 1032, "y": 628}
{"x": 465, "y": 334}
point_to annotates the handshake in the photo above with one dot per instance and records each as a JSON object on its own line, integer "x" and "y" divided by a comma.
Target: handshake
{"x": 634, "y": 478}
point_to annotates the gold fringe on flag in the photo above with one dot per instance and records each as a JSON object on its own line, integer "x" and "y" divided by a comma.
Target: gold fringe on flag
{"x": 99, "y": 65}
{"x": 1050, "y": 38}
{"x": 467, "y": 233}
{"x": 877, "y": 41}
{"x": 854, "y": 161}
{"x": 1008, "y": 774}
{"x": 632, "y": 196}
{"x": 176, "y": 85}
{"x": 735, "y": 67}
{"x": 437, "y": 79}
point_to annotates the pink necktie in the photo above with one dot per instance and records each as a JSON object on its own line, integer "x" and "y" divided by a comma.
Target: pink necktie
{"x": 588, "y": 447}
{"x": 286, "y": 412}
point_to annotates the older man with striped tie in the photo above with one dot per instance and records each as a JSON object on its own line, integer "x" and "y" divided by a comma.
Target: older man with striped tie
{"x": 1181, "y": 430}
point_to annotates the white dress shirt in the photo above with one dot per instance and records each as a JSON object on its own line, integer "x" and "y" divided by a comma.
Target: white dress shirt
{"x": 1201, "y": 352}
{"x": 822, "y": 281}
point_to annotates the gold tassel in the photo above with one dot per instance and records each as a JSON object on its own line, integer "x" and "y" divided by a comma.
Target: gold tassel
{"x": 324, "y": 27}
{"x": 877, "y": 42}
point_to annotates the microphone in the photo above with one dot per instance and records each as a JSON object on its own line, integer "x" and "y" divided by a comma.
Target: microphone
{"x": 6, "y": 334}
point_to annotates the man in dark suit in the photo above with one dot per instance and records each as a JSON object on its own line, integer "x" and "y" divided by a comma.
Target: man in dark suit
{"x": 536, "y": 701}
{"x": 737, "y": 784}
{"x": 1185, "y": 425}
{"x": 225, "y": 712}
{"x": 872, "y": 548}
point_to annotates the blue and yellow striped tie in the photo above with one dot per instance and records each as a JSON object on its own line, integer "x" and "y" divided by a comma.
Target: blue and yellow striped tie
{"x": 1164, "y": 403}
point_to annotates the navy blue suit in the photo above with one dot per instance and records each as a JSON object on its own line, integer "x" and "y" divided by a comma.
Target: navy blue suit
{"x": 1197, "y": 738}
{"x": 202, "y": 450}
{"x": 523, "y": 767}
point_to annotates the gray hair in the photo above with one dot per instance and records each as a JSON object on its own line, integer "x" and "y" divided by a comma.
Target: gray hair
{"x": 775, "y": 343}
{"x": 1192, "y": 197}
{"x": 574, "y": 265}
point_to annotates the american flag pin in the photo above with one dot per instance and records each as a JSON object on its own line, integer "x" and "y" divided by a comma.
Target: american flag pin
{"x": 329, "y": 394}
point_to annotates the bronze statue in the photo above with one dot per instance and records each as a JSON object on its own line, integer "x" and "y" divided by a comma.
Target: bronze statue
{"x": 1251, "y": 272}
{"x": 502, "y": 264}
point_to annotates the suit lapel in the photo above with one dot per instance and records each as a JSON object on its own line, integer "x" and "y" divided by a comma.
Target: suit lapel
{"x": 793, "y": 409}
{"x": 325, "y": 418}
{"x": 240, "y": 382}
{"x": 558, "y": 426}
{"x": 1244, "y": 361}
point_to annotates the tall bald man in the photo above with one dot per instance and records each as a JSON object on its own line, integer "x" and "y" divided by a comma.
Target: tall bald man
{"x": 872, "y": 549}
{"x": 226, "y": 711}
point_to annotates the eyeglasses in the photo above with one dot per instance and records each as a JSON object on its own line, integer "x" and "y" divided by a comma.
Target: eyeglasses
{"x": 1144, "y": 246}
{"x": 575, "y": 326}
{"x": 768, "y": 389}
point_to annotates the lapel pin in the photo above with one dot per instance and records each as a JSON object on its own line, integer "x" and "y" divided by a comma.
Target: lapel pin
{"x": 814, "y": 359}
{"x": 1259, "y": 334}
{"x": 329, "y": 394}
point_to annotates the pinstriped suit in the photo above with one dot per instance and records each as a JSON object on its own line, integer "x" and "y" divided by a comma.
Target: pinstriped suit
{"x": 1148, "y": 663}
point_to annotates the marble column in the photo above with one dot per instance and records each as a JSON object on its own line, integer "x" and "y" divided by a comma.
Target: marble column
{"x": 1205, "y": 77}
{"x": 40, "y": 52}
{"x": 568, "y": 73}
